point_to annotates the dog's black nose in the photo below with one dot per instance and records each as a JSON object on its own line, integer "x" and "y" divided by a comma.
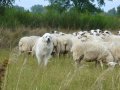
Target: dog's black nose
{"x": 48, "y": 40}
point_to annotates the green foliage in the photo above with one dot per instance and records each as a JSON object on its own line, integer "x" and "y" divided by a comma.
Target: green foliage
{"x": 118, "y": 10}
{"x": 6, "y": 2}
{"x": 80, "y": 5}
{"x": 60, "y": 5}
{"x": 37, "y": 9}
{"x": 19, "y": 8}
{"x": 2, "y": 10}
{"x": 53, "y": 19}
{"x": 112, "y": 11}
{"x": 9, "y": 19}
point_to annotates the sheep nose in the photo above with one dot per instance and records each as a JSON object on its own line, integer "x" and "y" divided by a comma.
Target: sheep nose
{"x": 97, "y": 34}
{"x": 91, "y": 33}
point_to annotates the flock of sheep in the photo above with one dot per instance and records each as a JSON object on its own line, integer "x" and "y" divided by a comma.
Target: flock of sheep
{"x": 94, "y": 45}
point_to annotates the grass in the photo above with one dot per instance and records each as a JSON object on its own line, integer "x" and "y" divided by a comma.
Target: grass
{"x": 24, "y": 74}
{"x": 71, "y": 19}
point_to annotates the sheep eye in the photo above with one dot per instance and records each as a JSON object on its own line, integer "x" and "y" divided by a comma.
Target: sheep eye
{"x": 107, "y": 32}
{"x": 82, "y": 34}
{"x": 91, "y": 33}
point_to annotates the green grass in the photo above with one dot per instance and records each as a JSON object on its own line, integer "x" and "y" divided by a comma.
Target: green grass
{"x": 53, "y": 19}
{"x": 60, "y": 74}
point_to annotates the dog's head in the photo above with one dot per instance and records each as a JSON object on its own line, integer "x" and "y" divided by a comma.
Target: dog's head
{"x": 47, "y": 37}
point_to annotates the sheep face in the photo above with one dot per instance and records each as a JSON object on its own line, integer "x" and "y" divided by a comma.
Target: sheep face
{"x": 119, "y": 33}
{"x": 98, "y": 31}
{"x": 22, "y": 47}
{"x": 107, "y": 33}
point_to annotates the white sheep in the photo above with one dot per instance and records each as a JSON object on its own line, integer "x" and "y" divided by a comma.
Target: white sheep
{"x": 74, "y": 33}
{"x": 115, "y": 50}
{"x": 110, "y": 38}
{"x": 65, "y": 43}
{"x": 89, "y": 37}
{"x": 119, "y": 33}
{"x": 62, "y": 44}
{"x": 91, "y": 51}
{"x": 56, "y": 44}
{"x": 26, "y": 43}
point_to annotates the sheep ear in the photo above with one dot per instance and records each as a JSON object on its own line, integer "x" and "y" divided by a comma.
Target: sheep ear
{"x": 101, "y": 31}
{"x": 83, "y": 40}
{"x": 76, "y": 33}
{"x": 91, "y": 33}
{"x": 107, "y": 32}
{"x": 85, "y": 36}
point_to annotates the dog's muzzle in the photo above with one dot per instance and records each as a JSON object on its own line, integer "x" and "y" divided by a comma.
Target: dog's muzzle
{"x": 48, "y": 41}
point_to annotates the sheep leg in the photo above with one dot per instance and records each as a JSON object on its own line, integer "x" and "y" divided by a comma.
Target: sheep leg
{"x": 77, "y": 63}
{"x": 101, "y": 64}
{"x": 96, "y": 64}
{"x": 65, "y": 48}
{"x": 58, "y": 55}
{"x": 19, "y": 53}
{"x": 119, "y": 63}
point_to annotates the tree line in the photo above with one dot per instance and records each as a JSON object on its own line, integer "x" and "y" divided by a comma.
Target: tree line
{"x": 70, "y": 14}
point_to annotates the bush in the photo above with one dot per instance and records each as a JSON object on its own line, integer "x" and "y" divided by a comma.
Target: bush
{"x": 53, "y": 19}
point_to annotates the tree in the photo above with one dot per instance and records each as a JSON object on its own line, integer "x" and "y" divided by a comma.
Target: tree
{"x": 112, "y": 11}
{"x": 5, "y": 3}
{"x": 60, "y": 5}
{"x": 19, "y": 8}
{"x": 118, "y": 10}
{"x": 37, "y": 9}
{"x": 81, "y": 5}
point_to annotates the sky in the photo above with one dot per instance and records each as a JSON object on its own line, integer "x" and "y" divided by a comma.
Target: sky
{"x": 27, "y": 4}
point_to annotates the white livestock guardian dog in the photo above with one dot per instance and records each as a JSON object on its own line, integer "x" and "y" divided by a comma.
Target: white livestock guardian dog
{"x": 43, "y": 48}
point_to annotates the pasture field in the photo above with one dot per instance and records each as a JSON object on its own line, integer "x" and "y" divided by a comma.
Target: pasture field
{"x": 23, "y": 73}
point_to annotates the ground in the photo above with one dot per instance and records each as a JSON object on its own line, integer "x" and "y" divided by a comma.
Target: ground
{"x": 23, "y": 73}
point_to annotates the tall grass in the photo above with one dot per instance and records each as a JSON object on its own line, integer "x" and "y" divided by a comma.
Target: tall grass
{"x": 59, "y": 75}
{"x": 9, "y": 38}
{"x": 53, "y": 19}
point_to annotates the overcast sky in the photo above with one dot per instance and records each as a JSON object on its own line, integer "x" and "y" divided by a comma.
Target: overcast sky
{"x": 27, "y": 4}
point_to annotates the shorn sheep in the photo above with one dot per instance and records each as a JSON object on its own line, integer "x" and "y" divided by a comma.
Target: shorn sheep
{"x": 65, "y": 44}
{"x": 96, "y": 45}
{"x": 43, "y": 48}
{"x": 62, "y": 44}
{"x": 26, "y": 43}
{"x": 90, "y": 51}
